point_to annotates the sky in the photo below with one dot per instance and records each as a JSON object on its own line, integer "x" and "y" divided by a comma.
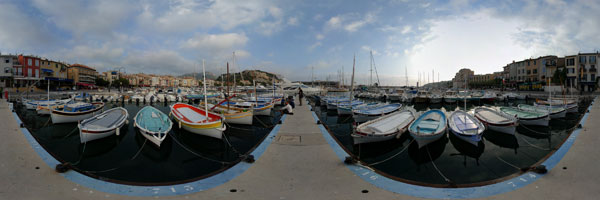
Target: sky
{"x": 408, "y": 38}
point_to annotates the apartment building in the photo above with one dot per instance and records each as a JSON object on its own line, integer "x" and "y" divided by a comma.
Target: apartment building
{"x": 459, "y": 79}
{"x": 6, "y": 69}
{"x": 587, "y": 67}
{"x": 82, "y": 75}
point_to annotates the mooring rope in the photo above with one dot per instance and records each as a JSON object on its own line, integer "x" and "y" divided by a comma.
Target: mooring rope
{"x": 196, "y": 154}
{"x": 80, "y": 156}
{"x": 504, "y": 161}
{"x": 73, "y": 131}
{"x": 49, "y": 118}
{"x": 379, "y": 162}
{"x": 532, "y": 145}
{"x": 120, "y": 165}
{"x": 541, "y": 133}
{"x": 436, "y": 168}
{"x": 265, "y": 125}
{"x": 230, "y": 145}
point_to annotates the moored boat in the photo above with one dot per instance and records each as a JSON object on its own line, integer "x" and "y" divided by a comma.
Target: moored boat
{"x": 75, "y": 112}
{"x": 197, "y": 120}
{"x": 233, "y": 115}
{"x": 555, "y": 112}
{"x": 103, "y": 125}
{"x": 527, "y": 117}
{"x": 153, "y": 124}
{"x": 370, "y": 113}
{"x": 428, "y": 127}
{"x": 466, "y": 127}
{"x": 384, "y": 128}
{"x": 497, "y": 121}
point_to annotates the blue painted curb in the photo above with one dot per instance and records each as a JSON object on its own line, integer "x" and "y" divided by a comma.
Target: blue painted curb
{"x": 166, "y": 190}
{"x": 453, "y": 193}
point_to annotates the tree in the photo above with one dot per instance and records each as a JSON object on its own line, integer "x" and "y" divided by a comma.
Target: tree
{"x": 120, "y": 82}
{"x": 101, "y": 82}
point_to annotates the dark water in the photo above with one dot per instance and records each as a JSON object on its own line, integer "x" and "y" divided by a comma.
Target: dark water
{"x": 114, "y": 158}
{"x": 498, "y": 155}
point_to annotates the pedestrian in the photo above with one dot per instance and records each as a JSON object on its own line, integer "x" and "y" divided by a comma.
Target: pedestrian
{"x": 300, "y": 96}
{"x": 287, "y": 109}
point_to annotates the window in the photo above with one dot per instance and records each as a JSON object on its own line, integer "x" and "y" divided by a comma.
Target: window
{"x": 593, "y": 59}
{"x": 527, "y": 63}
{"x": 571, "y": 70}
{"x": 6, "y": 61}
{"x": 570, "y": 61}
{"x": 581, "y": 59}
{"x": 584, "y": 77}
{"x": 37, "y": 63}
{"x": 593, "y": 77}
{"x": 29, "y": 62}
{"x": 7, "y": 70}
{"x": 534, "y": 62}
{"x": 528, "y": 72}
{"x": 534, "y": 71}
{"x": 29, "y": 72}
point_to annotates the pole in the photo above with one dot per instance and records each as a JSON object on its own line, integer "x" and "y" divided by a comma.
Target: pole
{"x": 352, "y": 82}
{"x": 204, "y": 83}
{"x": 255, "y": 95}
{"x": 227, "y": 86}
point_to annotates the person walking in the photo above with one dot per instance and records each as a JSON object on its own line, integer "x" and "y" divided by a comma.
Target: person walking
{"x": 300, "y": 96}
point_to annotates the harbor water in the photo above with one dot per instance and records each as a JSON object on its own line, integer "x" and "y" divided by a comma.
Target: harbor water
{"x": 450, "y": 161}
{"x": 130, "y": 159}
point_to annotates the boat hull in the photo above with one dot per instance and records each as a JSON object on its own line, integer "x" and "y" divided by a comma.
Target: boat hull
{"x": 421, "y": 100}
{"x": 239, "y": 118}
{"x": 149, "y": 137}
{"x": 535, "y": 122}
{"x": 360, "y": 139}
{"x": 425, "y": 140}
{"x": 449, "y": 100}
{"x": 473, "y": 139}
{"x": 206, "y": 131}
{"x": 344, "y": 111}
{"x": 363, "y": 118}
{"x": 503, "y": 129}
{"x": 265, "y": 111}
{"x": 60, "y": 117}
{"x": 86, "y": 136}
{"x": 435, "y": 100}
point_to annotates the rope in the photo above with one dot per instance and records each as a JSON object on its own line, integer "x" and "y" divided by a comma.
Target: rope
{"x": 504, "y": 161}
{"x": 534, "y": 130}
{"x": 47, "y": 122}
{"x": 265, "y": 125}
{"x": 230, "y": 145}
{"x": 120, "y": 165}
{"x": 196, "y": 154}
{"x": 532, "y": 145}
{"x": 375, "y": 163}
{"x": 81, "y": 156}
{"x": 73, "y": 131}
{"x": 438, "y": 170}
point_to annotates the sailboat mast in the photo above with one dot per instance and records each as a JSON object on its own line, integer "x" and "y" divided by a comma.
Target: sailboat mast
{"x": 204, "y": 83}
{"x": 406, "y": 75}
{"x": 352, "y": 82}
{"x": 371, "y": 70}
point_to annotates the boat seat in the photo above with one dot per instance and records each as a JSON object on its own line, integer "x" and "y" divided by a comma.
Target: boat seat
{"x": 464, "y": 123}
{"x": 428, "y": 125}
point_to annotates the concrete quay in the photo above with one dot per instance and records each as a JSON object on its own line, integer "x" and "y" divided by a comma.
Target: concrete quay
{"x": 298, "y": 164}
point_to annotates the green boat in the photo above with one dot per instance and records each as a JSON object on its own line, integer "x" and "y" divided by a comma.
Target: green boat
{"x": 527, "y": 117}
{"x": 555, "y": 112}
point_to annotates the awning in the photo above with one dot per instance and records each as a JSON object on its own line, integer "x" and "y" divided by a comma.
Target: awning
{"x": 86, "y": 84}
{"x": 47, "y": 70}
{"x": 59, "y": 79}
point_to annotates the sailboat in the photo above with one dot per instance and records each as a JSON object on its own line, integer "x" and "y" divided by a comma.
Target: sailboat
{"x": 198, "y": 120}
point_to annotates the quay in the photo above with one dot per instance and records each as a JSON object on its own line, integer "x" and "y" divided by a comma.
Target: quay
{"x": 300, "y": 163}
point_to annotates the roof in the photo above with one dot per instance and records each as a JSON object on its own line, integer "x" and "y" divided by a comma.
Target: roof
{"x": 82, "y": 66}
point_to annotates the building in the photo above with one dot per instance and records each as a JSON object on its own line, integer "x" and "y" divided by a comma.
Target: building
{"x": 27, "y": 70}
{"x": 586, "y": 65}
{"x": 547, "y": 67}
{"x": 461, "y": 77}
{"x": 55, "y": 73}
{"x": 82, "y": 75}
{"x": 6, "y": 69}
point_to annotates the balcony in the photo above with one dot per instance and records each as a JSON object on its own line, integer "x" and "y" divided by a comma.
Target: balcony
{"x": 593, "y": 69}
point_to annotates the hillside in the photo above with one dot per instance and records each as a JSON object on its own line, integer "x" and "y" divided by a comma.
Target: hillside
{"x": 199, "y": 75}
{"x": 247, "y": 76}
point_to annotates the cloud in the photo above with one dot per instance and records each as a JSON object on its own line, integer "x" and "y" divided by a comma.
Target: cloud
{"x": 355, "y": 25}
{"x": 320, "y": 36}
{"x": 160, "y": 62}
{"x": 216, "y": 42}
{"x": 406, "y": 29}
{"x": 21, "y": 32}
{"x": 292, "y": 21}
{"x": 96, "y": 18}
{"x": 350, "y": 22}
{"x": 333, "y": 23}
{"x": 313, "y": 46}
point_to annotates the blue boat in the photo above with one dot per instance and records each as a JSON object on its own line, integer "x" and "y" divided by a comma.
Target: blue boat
{"x": 429, "y": 127}
{"x": 370, "y": 113}
{"x": 153, "y": 124}
{"x": 466, "y": 127}
{"x": 75, "y": 112}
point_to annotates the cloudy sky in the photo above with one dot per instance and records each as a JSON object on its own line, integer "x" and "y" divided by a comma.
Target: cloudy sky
{"x": 291, "y": 37}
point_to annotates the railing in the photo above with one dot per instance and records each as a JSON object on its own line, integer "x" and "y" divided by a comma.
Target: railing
{"x": 593, "y": 69}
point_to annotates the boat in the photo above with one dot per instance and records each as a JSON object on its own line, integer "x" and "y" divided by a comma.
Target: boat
{"x": 555, "y": 112}
{"x": 570, "y": 105}
{"x": 384, "y": 128}
{"x": 497, "y": 121}
{"x": 450, "y": 96}
{"x": 428, "y": 127}
{"x": 44, "y": 108}
{"x": 233, "y": 115}
{"x": 466, "y": 127}
{"x": 370, "y": 113}
{"x": 75, "y": 112}
{"x": 103, "y": 125}
{"x": 422, "y": 97}
{"x": 32, "y": 104}
{"x": 153, "y": 124}
{"x": 137, "y": 98}
{"x": 347, "y": 110}
{"x": 527, "y": 117}
{"x": 197, "y": 120}
{"x": 435, "y": 98}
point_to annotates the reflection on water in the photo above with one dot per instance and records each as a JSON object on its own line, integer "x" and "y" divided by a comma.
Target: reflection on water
{"x": 498, "y": 155}
{"x": 129, "y": 158}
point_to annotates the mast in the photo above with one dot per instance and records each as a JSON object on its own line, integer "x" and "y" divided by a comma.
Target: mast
{"x": 371, "y": 70}
{"x": 352, "y": 82}
{"x": 204, "y": 83}
{"x": 406, "y": 75}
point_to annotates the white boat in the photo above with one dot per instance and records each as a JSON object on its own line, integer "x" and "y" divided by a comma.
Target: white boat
{"x": 527, "y": 117}
{"x": 171, "y": 98}
{"x": 435, "y": 98}
{"x": 466, "y": 127}
{"x": 370, "y": 113}
{"x": 233, "y": 115}
{"x": 555, "y": 112}
{"x": 32, "y": 104}
{"x": 422, "y": 97}
{"x": 75, "y": 112}
{"x": 428, "y": 127}
{"x": 497, "y": 121}
{"x": 450, "y": 96}
{"x": 103, "y": 125}
{"x": 137, "y": 98}
{"x": 153, "y": 124}
{"x": 198, "y": 121}
{"x": 45, "y": 107}
{"x": 570, "y": 105}
{"x": 384, "y": 128}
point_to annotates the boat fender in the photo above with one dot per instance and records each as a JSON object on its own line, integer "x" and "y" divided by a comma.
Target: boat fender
{"x": 117, "y": 131}
{"x": 63, "y": 167}
{"x": 248, "y": 158}
{"x": 349, "y": 160}
{"x": 179, "y": 122}
{"x": 127, "y": 122}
